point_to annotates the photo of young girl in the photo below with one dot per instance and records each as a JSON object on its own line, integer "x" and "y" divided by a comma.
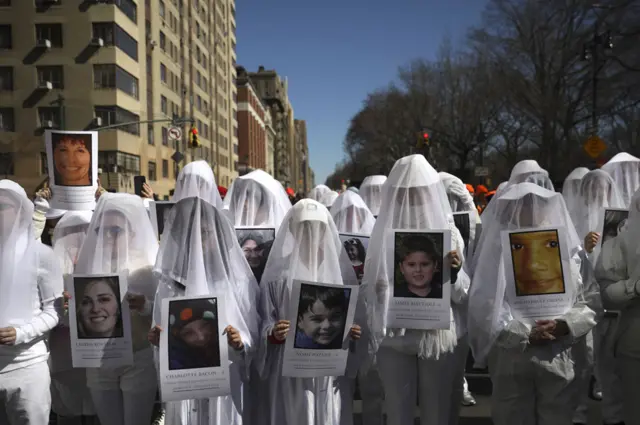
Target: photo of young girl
{"x": 98, "y": 307}
{"x": 194, "y": 340}
{"x": 356, "y": 247}
{"x": 418, "y": 265}
{"x": 322, "y": 315}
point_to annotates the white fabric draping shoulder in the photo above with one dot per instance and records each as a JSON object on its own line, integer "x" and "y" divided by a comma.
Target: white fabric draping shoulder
{"x": 68, "y": 236}
{"x": 371, "y": 192}
{"x": 328, "y": 198}
{"x": 351, "y": 214}
{"x": 317, "y": 192}
{"x": 197, "y": 179}
{"x": 625, "y": 170}
{"x": 571, "y": 185}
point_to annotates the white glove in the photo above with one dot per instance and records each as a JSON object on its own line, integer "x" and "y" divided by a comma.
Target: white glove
{"x": 41, "y": 206}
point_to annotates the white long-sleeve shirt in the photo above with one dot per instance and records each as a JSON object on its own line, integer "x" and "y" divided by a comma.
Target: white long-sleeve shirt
{"x": 30, "y": 346}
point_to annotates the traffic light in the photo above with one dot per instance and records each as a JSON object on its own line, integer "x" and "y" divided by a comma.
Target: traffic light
{"x": 423, "y": 139}
{"x": 193, "y": 138}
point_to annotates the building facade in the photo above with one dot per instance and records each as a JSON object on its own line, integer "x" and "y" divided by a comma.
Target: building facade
{"x": 301, "y": 158}
{"x": 270, "y": 144}
{"x": 115, "y": 62}
{"x": 252, "y": 132}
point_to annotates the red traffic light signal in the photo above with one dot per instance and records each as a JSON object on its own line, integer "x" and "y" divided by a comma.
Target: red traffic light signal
{"x": 194, "y": 130}
{"x": 425, "y": 135}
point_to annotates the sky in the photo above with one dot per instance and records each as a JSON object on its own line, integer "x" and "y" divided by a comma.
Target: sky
{"x": 336, "y": 52}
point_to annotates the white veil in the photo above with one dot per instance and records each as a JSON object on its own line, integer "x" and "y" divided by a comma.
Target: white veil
{"x": 523, "y": 205}
{"x": 529, "y": 170}
{"x": 68, "y": 236}
{"x": 461, "y": 201}
{"x": 625, "y": 170}
{"x": 571, "y": 185}
{"x": 371, "y": 192}
{"x": 18, "y": 255}
{"x": 197, "y": 179}
{"x": 597, "y": 192}
{"x": 328, "y": 198}
{"x": 351, "y": 214}
{"x": 257, "y": 199}
{"x": 414, "y": 198}
{"x": 317, "y": 192}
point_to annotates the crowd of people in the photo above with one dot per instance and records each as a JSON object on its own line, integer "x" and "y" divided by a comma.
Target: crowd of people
{"x": 542, "y": 371}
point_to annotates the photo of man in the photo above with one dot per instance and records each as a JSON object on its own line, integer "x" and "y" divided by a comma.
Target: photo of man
{"x": 418, "y": 265}
{"x": 256, "y": 246}
{"x": 72, "y": 159}
{"x": 322, "y": 315}
{"x": 98, "y": 307}
{"x": 162, "y": 212}
{"x": 615, "y": 223}
{"x": 356, "y": 248}
{"x": 194, "y": 334}
{"x": 462, "y": 222}
{"x": 537, "y": 262}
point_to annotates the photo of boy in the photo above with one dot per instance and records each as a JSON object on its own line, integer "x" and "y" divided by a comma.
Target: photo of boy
{"x": 418, "y": 265}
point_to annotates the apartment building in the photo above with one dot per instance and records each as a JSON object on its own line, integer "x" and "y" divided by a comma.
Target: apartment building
{"x": 302, "y": 170}
{"x": 252, "y": 131}
{"x": 84, "y": 65}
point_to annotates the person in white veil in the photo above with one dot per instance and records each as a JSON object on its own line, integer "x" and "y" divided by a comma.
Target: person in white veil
{"x": 571, "y": 185}
{"x": 317, "y": 192}
{"x": 31, "y": 285}
{"x": 371, "y": 192}
{"x": 257, "y": 199}
{"x": 617, "y": 274}
{"x": 531, "y": 363}
{"x": 121, "y": 238}
{"x": 197, "y": 179}
{"x": 351, "y": 215}
{"x": 597, "y": 192}
{"x": 414, "y": 198}
{"x": 71, "y": 400}
{"x": 328, "y": 198}
{"x": 307, "y": 248}
{"x": 201, "y": 256}
{"x": 529, "y": 170}
{"x": 625, "y": 170}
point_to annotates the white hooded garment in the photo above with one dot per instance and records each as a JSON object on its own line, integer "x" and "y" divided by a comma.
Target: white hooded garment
{"x": 197, "y": 179}
{"x": 461, "y": 201}
{"x": 571, "y": 185}
{"x": 371, "y": 192}
{"x": 317, "y": 192}
{"x": 523, "y": 205}
{"x": 529, "y": 170}
{"x": 351, "y": 215}
{"x": 415, "y": 199}
{"x": 327, "y": 199}
{"x": 625, "y": 170}
{"x": 308, "y": 248}
{"x": 201, "y": 256}
{"x": 257, "y": 199}
{"x": 68, "y": 236}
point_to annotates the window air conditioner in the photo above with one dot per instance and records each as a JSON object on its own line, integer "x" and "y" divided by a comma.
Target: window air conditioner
{"x": 47, "y": 124}
{"x": 45, "y": 85}
{"x": 44, "y": 44}
{"x": 97, "y": 121}
{"x": 97, "y": 42}
{"x": 52, "y": 1}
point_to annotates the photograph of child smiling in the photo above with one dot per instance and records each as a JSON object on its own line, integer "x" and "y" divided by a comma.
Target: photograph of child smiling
{"x": 322, "y": 313}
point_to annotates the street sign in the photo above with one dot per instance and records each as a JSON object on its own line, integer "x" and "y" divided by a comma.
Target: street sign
{"x": 481, "y": 171}
{"x": 175, "y": 133}
{"x": 594, "y": 146}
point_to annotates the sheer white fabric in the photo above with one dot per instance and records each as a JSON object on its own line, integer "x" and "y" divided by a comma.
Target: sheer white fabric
{"x": 317, "y": 192}
{"x": 461, "y": 201}
{"x": 371, "y": 192}
{"x": 308, "y": 248}
{"x": 197, "y": 179}
{"x": 351, "y": 215}
{"x": 523, "y": 205}
{"x": 529, "y": 170}
{"x": 571, "y": 185}
{"x": 18, "y": 255}
{"x": 625, "y": 170}
{"x": 329, "y": 198}
{"x": 414, "y": 198}
{"x": 68, "y": 236}
{"x": 257, "y": 199}
{"x": 501, "y": 188}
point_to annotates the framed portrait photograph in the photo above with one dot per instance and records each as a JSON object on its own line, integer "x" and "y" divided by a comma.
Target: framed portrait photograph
{"x": 99, "y": 321}
{"x": 615, "y": 223}
{"x": 193, "y": 351}
{"x": 256, "y": 243}
{"x": 159, "y": 211}
{"x": 356, "y": 247}
{"x": 322, "y": 318}
{"x": 462, "y": 220}
{"x": 537, "y": 270}
{"x": 72, "y": 161}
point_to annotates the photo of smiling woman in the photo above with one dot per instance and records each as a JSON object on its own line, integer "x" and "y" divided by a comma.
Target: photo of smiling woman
{"x": 98, "y": 307}
{"x": 322, "y": 315}
{"x": 194, "y": 341}
{"x": 537, "y": 263}
{"x": 256, "y": 245}
{"x": 418, "y": 265}
{"x": 72, "y": 156}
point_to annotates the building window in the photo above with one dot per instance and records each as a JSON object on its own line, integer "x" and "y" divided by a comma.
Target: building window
{"x": 104, "y": 30}
{"x": 49, "y": 116}
{"x": 51, "y": 32}
{"x": 7, "y": 119}
{"x": 149, "y": 65}
{"x": 235, "y": 148}
{"x": 6, "y": 39}
{"x": 113, "y": 35}
{"x": 150, "y": 138}
{"x": 44, "y": 165}
{"x": 163, "y": 73}
{"x": 128, "y": 7}
{"x": 5, "y": 3}
{"x": 163, "y": 105}
{"x": 165, "y": 136}
{"x": 7, "y": 164}
{"x": 51, "y": 74}
{"x": 152, "y": 171}
{"x": 165, "y": 169}
{"x": 6, "y": 78}
{"x": 121, "y": 162}
{"x": 112, "y": 115}
{"x": 163, "y": 41}
{"x": 162, "y": 9}
{"x": 111, "y": 76}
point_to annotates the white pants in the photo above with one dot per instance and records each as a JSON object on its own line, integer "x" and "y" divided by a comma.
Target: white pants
{"x": 125, "y": 395}
{"x": 372, "y": 395}
{"x": 629, "y": 371}
{"x": 25, "y": 398}
{"x": 405, "y": 375}
{"x": 534, "y": 387}
{"x": 459, "y": 382}
{"x": 605, "y": 370}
